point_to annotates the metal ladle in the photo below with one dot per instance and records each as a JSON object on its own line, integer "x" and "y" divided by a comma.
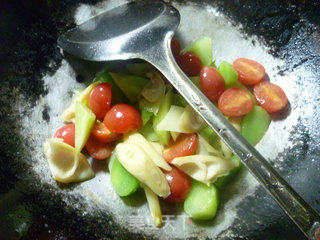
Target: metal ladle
{"x": 144, "y": 30}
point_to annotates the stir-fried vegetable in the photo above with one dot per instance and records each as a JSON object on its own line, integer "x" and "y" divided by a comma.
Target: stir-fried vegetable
{"x": 255, "y": 124}
{"x": 123, "y": 182}
{"x": 228, "y": 73}
{"x": 140, "y": 165}
{"x": 203, "y": 48}
{"x": 66, "y": 133}
{"x": 166, "y": 101}
{"x": 202, "y": 201}
{"x": 66, "y": 163}
{"x": 83, "y": 123}
{"x": 158, "y": 141}
{"x": 130, "y": 85}
{"x": 185, "y": 145}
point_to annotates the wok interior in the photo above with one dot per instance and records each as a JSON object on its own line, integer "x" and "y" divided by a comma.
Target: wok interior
{"x": 291, "y": 143}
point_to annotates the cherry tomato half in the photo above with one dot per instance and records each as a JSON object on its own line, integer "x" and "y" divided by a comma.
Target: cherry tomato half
{"x": 66, "y": 133}
{"x": 212, "y": 83}
{"x": 122, "y": 118}
{"x": 102, "y": 133}
{"x": 270, "y": 96}
{"x": 100, "y": 100}
{"x": 190, "y": 63}
{"x": 98, "y": 150}
{"x": 249, "y": 71}
{"x": 185, "y": 145}
{"x": 179, "y": 184}
{"x": 175, "y": 47}
{"x": 235, "y": 102}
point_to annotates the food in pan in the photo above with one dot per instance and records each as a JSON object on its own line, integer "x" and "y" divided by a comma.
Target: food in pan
{"x": 153, "y": 139}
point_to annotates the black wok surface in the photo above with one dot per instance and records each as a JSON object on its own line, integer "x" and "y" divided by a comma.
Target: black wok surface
{"x": 28, "y": 51}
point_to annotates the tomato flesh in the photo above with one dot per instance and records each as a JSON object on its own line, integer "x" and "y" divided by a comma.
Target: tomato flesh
{"x": 212, "y": 83}
{"x": 179, "y": 184}
{"x": 67, "y": 133}
{"x": 270, "y": 96}
{"x": 235, "y": 102}
{"x": 102, "y": 133}
{"x": 122, "y": 118}
{"x": 185, "y": 145}
{"x": 100, "y": 100}
{"x": 190, "y": 63}
{"x": 249, "y": 71}
{"x": 98, "y": 150}
{"x": 175, "y": 47}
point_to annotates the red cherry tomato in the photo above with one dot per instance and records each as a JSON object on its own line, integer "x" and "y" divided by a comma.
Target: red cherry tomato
{"x": 122, "y": 118}
{"x": 102, "y": 133}
{"x": 185, "y": 145}
{"x": 212, "y": 83}
{"x": 249, "y": 71}
{"x": 66, "y": 133}
{"x": 190, "y": 63}
{"x": 175, "y": 47}
{"x": 100, "y": 100}
{"x": 270, "y": 96}
{"x": 179, "y": 184}
{"x": 235, "y": 102}
{"x": 98, "y": 150}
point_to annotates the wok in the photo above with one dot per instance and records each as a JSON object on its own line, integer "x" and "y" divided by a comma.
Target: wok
{"x": 37, "y": 83}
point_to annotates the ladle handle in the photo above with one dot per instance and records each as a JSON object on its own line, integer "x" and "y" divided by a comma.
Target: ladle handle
{"x": 304, "y": 216}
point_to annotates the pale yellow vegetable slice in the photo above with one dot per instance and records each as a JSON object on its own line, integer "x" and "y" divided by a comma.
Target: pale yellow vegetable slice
{"x": 154, "y": 205}
{"x": 174, "y": 135}
{"x": 69, "y": 114}
{"x": 190, "y": 121}
{"x": 148, "y": 148}
{"x": 204, "y": 168}
{"x": 204, "y": 148}
{"x": 158, "y": 147}
{"x": 65, "y": 163}
{"x": 139, "y": 164}
{"x": 171, "y": 122}
{"x": 154, "y": 89}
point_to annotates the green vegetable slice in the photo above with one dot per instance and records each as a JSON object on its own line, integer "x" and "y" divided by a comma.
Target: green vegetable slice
{"x": 203, "y": 48}
{"x": 211, "y": 137}
{"x": 117, "y": 94}
{"x": 146, "y": 116}
{"x": 164, "y": 136}
{"x": 84, "y": 121}
{"x": 148, "y": 132}
{"x": 130, "y": 85}
{"x": 228, "y": 73}
{"x": 179, "y": 100}
{"x": 139, "y": 69}
{"x": 123, "y": 182}
{"x": 255, "y": 124}
{"x": 202, "y": 201}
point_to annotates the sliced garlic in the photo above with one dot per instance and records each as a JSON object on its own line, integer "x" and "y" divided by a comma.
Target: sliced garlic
{"x": 154, "y": 205}
{"x": 139, "y": 164}
{"x": 148, "y": 148}
{"x": 204, "y": 148}
{"x": 65, "y": 164}
{"x": 171, "y": 122}
{"x": 204, "y": 168}
{"x": 190, "y": 121}
{"x": 155, "y": 89}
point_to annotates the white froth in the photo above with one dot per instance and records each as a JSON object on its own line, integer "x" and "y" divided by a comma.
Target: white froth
{"x": 228, "y": 44}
